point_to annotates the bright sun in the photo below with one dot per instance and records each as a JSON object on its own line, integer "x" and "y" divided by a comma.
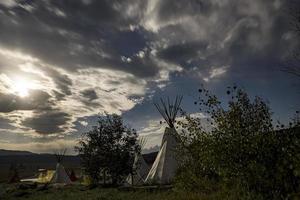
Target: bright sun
{"x": 21, "y": 87}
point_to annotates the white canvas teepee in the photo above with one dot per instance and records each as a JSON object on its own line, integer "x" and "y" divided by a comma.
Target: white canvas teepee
{"x": 141, "y": 173}
{"x": 60, "y": 175}
{"x": 165, "y": 165}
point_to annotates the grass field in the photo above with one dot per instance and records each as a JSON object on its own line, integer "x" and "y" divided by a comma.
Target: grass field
{"x": 10, "y": 192}
{"x": 79, "y": 192}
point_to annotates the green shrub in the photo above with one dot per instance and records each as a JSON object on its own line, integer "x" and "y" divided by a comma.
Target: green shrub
{"x": 240, "y": 148}
{"x": 108, "y": 151}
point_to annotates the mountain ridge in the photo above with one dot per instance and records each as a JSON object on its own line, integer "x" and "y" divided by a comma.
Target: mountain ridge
{"x": 5, "y": 152}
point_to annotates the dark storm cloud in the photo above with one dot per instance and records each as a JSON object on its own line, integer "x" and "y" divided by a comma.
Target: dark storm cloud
{"x": 242, "y": 35}
{"x": 6, "y": 123}
{"x": 47, "y": 122}
{"x": 37, "y": 100}
{"x": 62, "y": 81}
{"x": 184, "y": 54}
{"x": 73, "y": 34}
{"x": 169, "y": 9}
{"x": 89, "y": 99}
{"x": 90, "y": 94}
{"x": 76, "y": 34}
{"x": 58, "y": 95}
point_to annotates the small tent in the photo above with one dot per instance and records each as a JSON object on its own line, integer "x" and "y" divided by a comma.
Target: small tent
{"x": 60, "y": 175}
{"x": 73, "y": 177}
{"x": 45, "y": 176}
{"x": 86, "y": 180}
{"x": 165, "y": 165}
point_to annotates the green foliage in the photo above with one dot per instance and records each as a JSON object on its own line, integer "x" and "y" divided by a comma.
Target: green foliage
{"x": 76, "y": 192}
{"x": 239, "y": 147}
{"x": 109, "y": 148}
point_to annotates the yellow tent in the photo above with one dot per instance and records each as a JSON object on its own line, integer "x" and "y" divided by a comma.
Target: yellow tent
{"x": 45, "y": 176}
{"x": 86, "y": 180}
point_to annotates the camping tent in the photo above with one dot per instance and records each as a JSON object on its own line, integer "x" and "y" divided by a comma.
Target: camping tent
{"x": 86, "y": 180}
{"x": 45, "y": 176}
{"x": 72, "y": 176}
{"x": 165, "y": 164}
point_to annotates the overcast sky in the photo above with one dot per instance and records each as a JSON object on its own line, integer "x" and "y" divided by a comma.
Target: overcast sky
{"x": 64, "y": 61}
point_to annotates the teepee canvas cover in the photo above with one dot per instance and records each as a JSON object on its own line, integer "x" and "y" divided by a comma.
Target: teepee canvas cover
{"x": 60, "y": 175}
{"x": 165, "y": 164}
{"x": 141, "y": 173}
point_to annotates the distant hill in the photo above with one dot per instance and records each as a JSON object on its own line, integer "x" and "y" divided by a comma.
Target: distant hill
{"x": 4, "y": 152}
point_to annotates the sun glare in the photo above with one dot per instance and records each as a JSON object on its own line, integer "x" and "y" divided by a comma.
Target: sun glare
{"x": 21, "y": 87}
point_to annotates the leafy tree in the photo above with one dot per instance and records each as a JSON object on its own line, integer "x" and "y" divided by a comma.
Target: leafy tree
{"x": 109, "y": 148}
{"x": 240, "y": 147}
